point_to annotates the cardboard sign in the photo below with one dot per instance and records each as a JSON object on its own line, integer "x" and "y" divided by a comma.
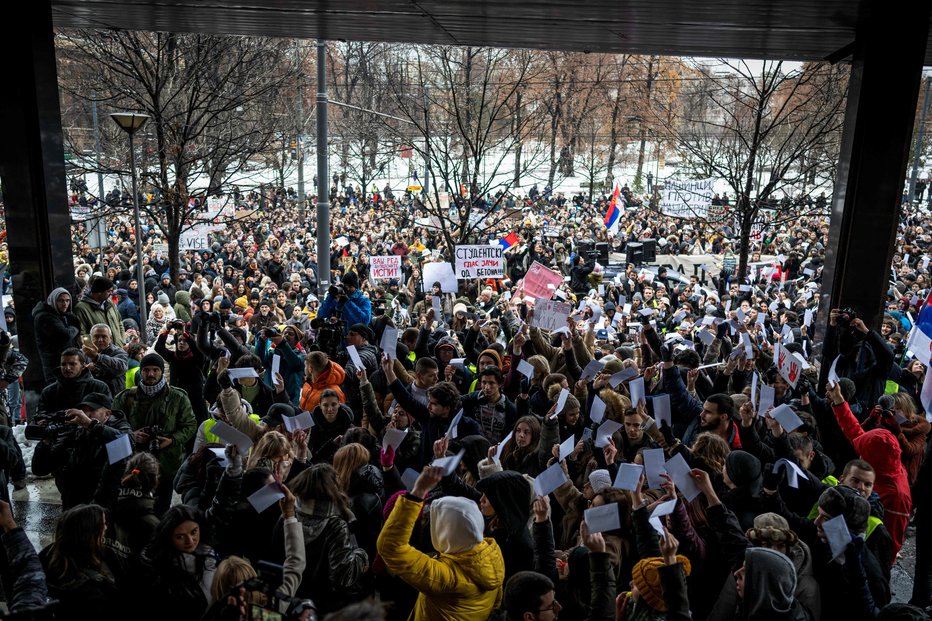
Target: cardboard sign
{"x": 790, "y": 366}
{"x": 385, "y": 267}
{"x": 550, "y": 315}
{"x": 479, "y": 262}
{"x": 540, "y": 282}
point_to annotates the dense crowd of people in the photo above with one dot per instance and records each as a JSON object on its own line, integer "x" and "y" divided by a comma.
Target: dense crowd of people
{"x": 659, "y": 447}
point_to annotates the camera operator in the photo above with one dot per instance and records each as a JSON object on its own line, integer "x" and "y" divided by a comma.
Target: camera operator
{"x": 345, "y": 301}
{"x": 108, "y": 363}
{"x": 579, "y": 274}
{"x": 162, "y": 420}
{"x": 863, "y": 357}
{"x": 73, "y": 448}
{"x": 73, "y": 382}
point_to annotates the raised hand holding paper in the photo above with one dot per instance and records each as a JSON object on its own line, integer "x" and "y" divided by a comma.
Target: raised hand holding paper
{"x": 549, "y": 480}
{"x": 118, "y": 449}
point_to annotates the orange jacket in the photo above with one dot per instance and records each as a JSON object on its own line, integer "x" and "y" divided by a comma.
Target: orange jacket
{"x": 332, "y": 377}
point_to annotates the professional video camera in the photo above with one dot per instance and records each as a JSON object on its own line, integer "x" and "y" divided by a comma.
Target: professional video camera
{"x": 265, "y": 602}
{"x": 49, "y": 426}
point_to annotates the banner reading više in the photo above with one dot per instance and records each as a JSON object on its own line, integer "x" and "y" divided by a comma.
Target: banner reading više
{"x": 479, "y": 262}
{"x": 687, "y": 199}
{"x": 385, "y": 267}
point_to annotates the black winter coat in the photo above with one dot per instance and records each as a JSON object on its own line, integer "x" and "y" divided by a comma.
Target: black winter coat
{"x": 366, "y": 494}
{"x": 55, "y": 333}
{"x": 67, "y": 393}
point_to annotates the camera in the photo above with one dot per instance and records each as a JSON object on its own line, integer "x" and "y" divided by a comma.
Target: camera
{"x": 336, "y": 290}
{"x": 845, "y": 317}
{"x": 153, "y": 431}
{"x": 267, "y": 602}
{"x": 177, "y": 325}
{"x": 48, "y": 426}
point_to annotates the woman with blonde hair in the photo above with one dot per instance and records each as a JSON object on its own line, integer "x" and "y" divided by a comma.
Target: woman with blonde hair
{"x": 363, "y": 484}
{"x": 275, "y": 452}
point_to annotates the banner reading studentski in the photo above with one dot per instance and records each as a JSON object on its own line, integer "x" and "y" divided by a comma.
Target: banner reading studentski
{"x": 479, "y": 262}
{"x": 687, "y": 199}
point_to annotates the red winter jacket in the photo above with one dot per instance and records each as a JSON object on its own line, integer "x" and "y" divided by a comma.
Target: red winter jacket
{"x": 881, "y": 450}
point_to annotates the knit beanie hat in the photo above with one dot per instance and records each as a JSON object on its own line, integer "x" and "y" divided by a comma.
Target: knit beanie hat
{"x": 600, "y": 480}
{"x": 612, "y": 365}
{"x": 101, "y": 284}
{"x": 163, "y": 298}
{"x": 646, "y": 579}
{"x": 843, "y": 500}
{"x": 492, "y": 354}
{"x": 771, "y": 528}
{"x": 152, "y": 360}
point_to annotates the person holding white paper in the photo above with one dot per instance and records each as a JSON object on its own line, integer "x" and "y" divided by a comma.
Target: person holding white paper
{"x": 332, "y": 419}
{"x": 77, "y": 455}
{"x": 523, "y": 452}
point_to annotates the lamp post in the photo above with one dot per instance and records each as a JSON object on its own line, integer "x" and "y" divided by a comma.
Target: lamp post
{"x": 131, "y": 122}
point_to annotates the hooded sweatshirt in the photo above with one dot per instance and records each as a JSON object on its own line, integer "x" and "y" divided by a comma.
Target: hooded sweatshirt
{"x": 464, "y": 582}
{"x": 769, "y": 587}
{"x": 510, "y": 495}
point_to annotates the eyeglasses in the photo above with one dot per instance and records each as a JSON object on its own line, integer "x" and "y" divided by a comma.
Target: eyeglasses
{"x": 553, "y": 607}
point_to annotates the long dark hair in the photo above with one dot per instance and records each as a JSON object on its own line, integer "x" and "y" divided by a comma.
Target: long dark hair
{"x": 320, "y": 482}
{"x": 161, "y": 551}
{"x": 78, "y": 541}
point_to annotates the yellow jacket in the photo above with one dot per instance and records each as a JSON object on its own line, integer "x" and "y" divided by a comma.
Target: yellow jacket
{"x": 453, "y": 587}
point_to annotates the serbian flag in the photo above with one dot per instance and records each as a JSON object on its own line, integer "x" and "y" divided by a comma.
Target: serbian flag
{"x": 920, "y": 337}
{"x": 613, "y": 215}
{"x": 509, "y": 240}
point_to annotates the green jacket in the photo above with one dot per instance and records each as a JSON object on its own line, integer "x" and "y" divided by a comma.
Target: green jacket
{"x": 90, "y": 313}
{"x": 170, "y": 410}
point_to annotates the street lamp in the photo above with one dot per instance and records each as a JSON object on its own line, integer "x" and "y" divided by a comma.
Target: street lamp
{"x": 131, "y": 122}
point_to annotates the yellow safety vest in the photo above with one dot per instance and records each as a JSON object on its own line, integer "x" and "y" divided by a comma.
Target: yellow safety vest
{"x": 209, "y": 424}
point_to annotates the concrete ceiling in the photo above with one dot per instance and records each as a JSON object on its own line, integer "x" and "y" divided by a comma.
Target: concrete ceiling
{"x": 777, "y": 29}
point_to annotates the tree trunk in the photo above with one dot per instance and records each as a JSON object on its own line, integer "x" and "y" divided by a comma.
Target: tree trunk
{"x": 643, "y": 139}
{"x": 747, "y": 219}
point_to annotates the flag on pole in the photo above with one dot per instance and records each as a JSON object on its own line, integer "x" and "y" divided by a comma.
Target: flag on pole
{"x": 509, "y": 240}
{"x": 920, "y": 337}
{"x": 613, "y": 215}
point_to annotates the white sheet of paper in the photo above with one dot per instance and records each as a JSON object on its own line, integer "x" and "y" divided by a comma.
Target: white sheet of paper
{"x": 628, "y": 476}
{"x": 354, "y": 356}
{"x": 787, "y": 417}
{"x": 767, "y": 396}
{"x": 501, "y": 447}
{"x": 740, "y": 315}
{"x": 221, "y": 457}
{"x": 304, "y": 420}
{"x": 459, "y": 363}
{"x": 526, "y": 369}
{"x": 754, "y": 381}
{"x": 664, "y": 508}
{"x": 409, "y": 478}
{"x": 616, "y": 379}
{"x": 435, "y": 304}
{"x": 626, "y": 310}
{"x": 561, "y": 402}
{"x": 389, "y": 343}
{"x": 646, "y": 312}
{"x": 276, "y": 368}
{"x": 708, "y": 320}
{"x": 654, "y": 466}
{"x": 832, "y": 373}
{"x": 567, "y": 447}
{"x": 238, "y": 373}
{"x": 662, "y": 410}
{"x": 454, "y": 423}
{"x": 265, "y": 497}
{"x": 592, "y": 369}
{"x": 603, "y": 518}
{"x": 838, "y": 535}
{"x": 807, "y": 317}
{"x": 549, "y": 480}
{"x": 793, "y": 472}
{"x": 232, "y": 436}
{"x": 761, "y": 318}
{"x": 118, "y": 449}
{"x": 678, "y": 470}
{"x": 597, "y": 412}
{"x": 605, "y": 431}
{"x": 706, "y": 337}
{"x": 449, "y": 463}
{"x": 636, "y": 388}
{"x": 394, "y": 437}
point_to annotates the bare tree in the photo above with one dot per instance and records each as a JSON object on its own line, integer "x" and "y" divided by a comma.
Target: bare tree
{"x": 762, "y": 129}
{"x": 212, "y": 101}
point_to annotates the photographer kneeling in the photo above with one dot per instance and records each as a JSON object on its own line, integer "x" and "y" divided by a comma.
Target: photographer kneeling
{"x": 73, "y": 448}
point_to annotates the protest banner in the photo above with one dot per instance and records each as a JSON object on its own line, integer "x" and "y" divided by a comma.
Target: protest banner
{"x": 479, "y": 262}
{"x": 687, "y": 199}
{"x": 385, "y": 267}
{"x": 789, "y": 365}
{"x": 550, "y": 314}
{"x": 441, "y": 272}
{"x": 540, "y": 282}
{"x": 195, "y": 239}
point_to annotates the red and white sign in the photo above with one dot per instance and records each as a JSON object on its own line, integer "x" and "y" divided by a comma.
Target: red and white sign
{"x": 790, "y": 366}
{"x": 385, "y": 267}
{"x": 541, "y": 281}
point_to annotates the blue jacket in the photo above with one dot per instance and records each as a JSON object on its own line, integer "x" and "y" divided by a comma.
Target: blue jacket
{"x": 291, "y": 367}
{"x": 356, "y": 309}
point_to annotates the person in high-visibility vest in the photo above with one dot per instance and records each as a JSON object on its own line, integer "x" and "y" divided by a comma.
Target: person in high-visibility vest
{"x": 204, "y": 434}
